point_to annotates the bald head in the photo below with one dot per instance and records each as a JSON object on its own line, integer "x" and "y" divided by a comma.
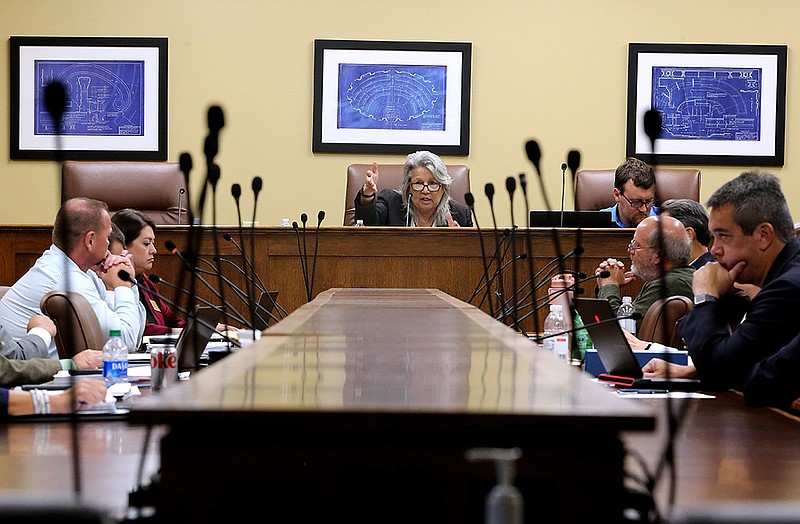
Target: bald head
{"x": 672, "y": 242}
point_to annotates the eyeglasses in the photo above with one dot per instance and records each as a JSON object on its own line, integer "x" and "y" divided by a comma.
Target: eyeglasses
{"x": 637, "y": 204}
{"x": 633, "y": 248}
{"x": 433, "y": 187}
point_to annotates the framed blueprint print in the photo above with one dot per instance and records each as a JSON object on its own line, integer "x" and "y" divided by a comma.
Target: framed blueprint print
{"x": 116, "y": 98}
{"x": 719, "y": 104}
{"x": 391, "y": 97}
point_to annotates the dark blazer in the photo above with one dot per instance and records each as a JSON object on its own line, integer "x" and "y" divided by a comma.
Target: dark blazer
{"x": 723, "y": 359}
{"x": 774, "y": 381}
{"x": 389, "y": 209}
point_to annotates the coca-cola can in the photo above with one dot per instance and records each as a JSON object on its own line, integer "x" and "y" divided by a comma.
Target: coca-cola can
{"x": 163, "y": 366}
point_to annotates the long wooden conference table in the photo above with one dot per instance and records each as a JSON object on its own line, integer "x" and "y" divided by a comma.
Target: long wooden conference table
{"x": 360, "y": 406}
{"x": 338, "y": 410}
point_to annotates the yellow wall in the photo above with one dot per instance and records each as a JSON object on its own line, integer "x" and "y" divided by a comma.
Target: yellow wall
{"x": 550, "y": 70}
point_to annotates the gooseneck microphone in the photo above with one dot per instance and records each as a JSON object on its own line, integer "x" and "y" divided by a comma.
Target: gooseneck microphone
{"x": 300, "y": 254}
{"x": 633, "y": 316}
{"x": 511, "y": 187}
{"x": 574, "y": 162}
{"x": 523, "y": 184}
{"x": 256, "y": 186}
{"x": 124, "y": 275}
{"x": 489, "y": 191}
{"x": 181, "y": 192}
{"x": 563, "y": 185}
{"x": 320, "y": 218}
{"x": 470, "y": 200}
{"x": 158, "y": 280}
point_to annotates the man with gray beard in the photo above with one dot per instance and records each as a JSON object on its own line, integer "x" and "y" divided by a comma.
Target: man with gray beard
{"x": 655, "y": 260}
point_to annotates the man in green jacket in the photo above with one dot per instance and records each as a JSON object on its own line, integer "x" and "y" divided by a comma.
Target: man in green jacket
{"x": 656, "y": 261}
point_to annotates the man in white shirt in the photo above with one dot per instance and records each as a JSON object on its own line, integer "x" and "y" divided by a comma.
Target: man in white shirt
{"x": 80, "y": 241}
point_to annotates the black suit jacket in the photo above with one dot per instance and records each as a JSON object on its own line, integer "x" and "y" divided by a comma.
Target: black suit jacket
{"x": 389, "y": 209}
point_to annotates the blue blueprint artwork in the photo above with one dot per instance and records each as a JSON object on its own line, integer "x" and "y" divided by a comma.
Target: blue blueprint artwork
{"x": 708, "y": 103}
{"x": 399, "y": 97}
{"x": 104, "y": 98}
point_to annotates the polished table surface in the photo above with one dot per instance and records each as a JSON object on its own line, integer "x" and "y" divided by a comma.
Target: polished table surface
{"x": 375, "y": 391}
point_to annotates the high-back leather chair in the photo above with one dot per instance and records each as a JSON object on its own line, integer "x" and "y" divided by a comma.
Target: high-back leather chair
{"x": 77, "y": 327}
{"x": 594, "y": 188}
{"x": 391, "y": 177}
{"x": 665, "y": 313}
{"x": 152, "y": 188}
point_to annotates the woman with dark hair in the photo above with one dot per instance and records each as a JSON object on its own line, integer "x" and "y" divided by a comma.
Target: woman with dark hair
{"x": 140, "y": 238}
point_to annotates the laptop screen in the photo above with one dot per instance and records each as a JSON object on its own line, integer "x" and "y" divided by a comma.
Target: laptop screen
{"x": 590, "y": 219}
{"x": 195, "y": 337}
{"x": 609, "y": 340}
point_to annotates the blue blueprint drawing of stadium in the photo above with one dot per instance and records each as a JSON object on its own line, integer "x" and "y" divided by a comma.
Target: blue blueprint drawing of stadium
{"x": 398, "y": 97}
{"x": 708, "y": 103}
{"x": 104, "y": 98}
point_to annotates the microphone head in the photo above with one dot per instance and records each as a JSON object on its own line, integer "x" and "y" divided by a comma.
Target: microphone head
{"x": 320, "y": 217}
{"x": 236, "y": 191}
{"x": 227, "y": 237}
{"x": 469, "y": 199}
{"x": 534, "y": 153}
{"x": 216, "y": 119}
{"x": 55, "y": 100}
{"x": 563, "y": 166}
{"x": 522, "y": 256}
{"x": 155, "y": 279}
{"x": 211, "y": 147}
{"x": 652, "y": 124}
{"x": 295, "y": 225}
{"x": 573, "y": 160}
{"x": 213, "y": 175}
{"x": 578, "y": 250}
{"x": 604, "y": 274}
{"x": 170, "y": 245}
{"x": 185, "y": 163}
{"x": 124, "y": 275}
{"x": 217, "y": 258}
{"x": 489, "y": 190}
{"x": 511, "y": 185}
{"x": 303, "y": 219}
{"x": 506, "y": 232}
{"x": 257, "y": 185}
{"x": 635, "y": 316}
{"x": 523, "y": 182}
{"x": 182, "y": 191}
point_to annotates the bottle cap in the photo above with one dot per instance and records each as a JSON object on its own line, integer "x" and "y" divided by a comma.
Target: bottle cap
{"x": 115, "y": 333}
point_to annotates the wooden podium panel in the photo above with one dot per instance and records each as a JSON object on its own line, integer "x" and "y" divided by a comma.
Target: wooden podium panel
{"x": 360, "y": 406}
{"x": 440, "y": 258}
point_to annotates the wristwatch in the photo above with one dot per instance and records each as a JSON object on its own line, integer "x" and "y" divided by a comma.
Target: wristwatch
{"x": 705, "y": 298}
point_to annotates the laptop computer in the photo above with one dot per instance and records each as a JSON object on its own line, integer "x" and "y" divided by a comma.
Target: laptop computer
{"x": 194, "y": 338}
{"x": 622, "y": 368}
{"x": 583, "y": 219}
{"x": 267, "y": 303}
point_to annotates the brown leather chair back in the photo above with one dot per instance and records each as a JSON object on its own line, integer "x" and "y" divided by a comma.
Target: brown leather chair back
{"x": 391, "y": 177}
{"x": 594, "y": 188}
{"x": 77, "y": 327}
{"x": 669, "y": 312}
{"x": 150, "y": 187}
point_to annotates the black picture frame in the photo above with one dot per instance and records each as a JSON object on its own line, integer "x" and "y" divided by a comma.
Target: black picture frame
{"x": 721, "y": 104}
{"x": 352, "y": 79}
{"x": 116, "y": 98}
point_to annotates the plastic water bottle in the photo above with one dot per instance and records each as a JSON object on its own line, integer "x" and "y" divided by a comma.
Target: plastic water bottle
{"x": 626, "y": 308}
{"x": 554, "y": 323}
{"x": 115, "y": 359}
{"x": 583, "y": 341}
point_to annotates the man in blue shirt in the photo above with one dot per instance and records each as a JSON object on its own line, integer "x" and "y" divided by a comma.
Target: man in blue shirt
{"x": 634, "y": 192}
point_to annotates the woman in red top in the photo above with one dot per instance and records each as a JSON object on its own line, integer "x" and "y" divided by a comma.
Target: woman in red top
{"x": 140, "y": 237}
